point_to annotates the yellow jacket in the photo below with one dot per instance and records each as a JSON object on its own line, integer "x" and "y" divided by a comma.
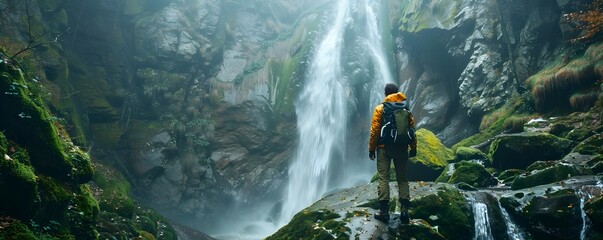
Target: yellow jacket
{"x": 376, "y": 122}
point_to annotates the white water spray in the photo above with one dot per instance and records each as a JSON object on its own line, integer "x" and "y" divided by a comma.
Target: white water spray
{"x": 482, "y": 222}
{"x": 374, "y": 43}
{"x": 513, "y": 231}
{"x": 321, "y": 119}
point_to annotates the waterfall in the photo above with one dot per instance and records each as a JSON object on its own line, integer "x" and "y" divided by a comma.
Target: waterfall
{"x": 321, "y": 120}
{"x": 513, "y": 231}
{"x": 585, "y": 193}
{"x": 374, "y": 43}
{"x": 482, "y": 222}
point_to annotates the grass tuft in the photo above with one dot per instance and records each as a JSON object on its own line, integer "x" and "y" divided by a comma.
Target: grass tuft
{"x": 582, "y": 102}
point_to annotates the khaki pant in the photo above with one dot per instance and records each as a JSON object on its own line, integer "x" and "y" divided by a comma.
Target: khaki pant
{"x": 400, "y": 159}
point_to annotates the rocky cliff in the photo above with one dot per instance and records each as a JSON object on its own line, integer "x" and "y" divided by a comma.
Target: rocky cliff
{"x": 193, "y": 101}
{"x": 473, "y": 55}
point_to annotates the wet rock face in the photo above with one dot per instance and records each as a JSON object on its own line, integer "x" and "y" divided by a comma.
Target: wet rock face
{"x": 474, "y": 57}
{"x": 179, "y": 31}
{"x": 551, "y": 211}
{"x": 521, "y": 150}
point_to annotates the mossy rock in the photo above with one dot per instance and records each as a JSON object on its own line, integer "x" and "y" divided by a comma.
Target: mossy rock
{"x": 319, "y": 224}
{"x": 594, "y": 210}
{"x": 448, "y": 209}
{"x": 468, "y": 172}
{"x": 558, "y": 172}
{"x": 419, "y": 230}
{"x": 592, "y": 145}
{"x": 596, "y": 164}
{"x": 28, "y": 124}
{"x": 554, "y": 215}
{"x": 539, "y": 165}
{"x": 115, "y": 194}
{"x": 19, "y": 186}
{"x": 13, "y": 229}
{"x": 84, "y": 214}
{"x": 521, "y": 150}
{"x": 509, "y": 175}
{"x": 469, "y": 153}
{"x": 430, "y": 150}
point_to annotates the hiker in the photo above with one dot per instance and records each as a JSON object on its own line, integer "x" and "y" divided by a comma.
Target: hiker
{"x": 386, "y": 152}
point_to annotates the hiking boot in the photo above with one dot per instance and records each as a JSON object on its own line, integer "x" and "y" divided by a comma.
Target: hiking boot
{"x": 404, "y": 206}
{"x": 383, "y": 213}
{"x": 404, "y": 219}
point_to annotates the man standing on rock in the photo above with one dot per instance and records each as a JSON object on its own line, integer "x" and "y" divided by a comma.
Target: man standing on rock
{"x": 387, "y": 151}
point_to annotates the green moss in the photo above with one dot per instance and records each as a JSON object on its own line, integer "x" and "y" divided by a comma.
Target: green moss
{"x": 468, "y": 153}
{"x": 114, "y": 196}
{"x": 313, "y": 225}
{"x": 84, "y": 214}
{"x": 592, "y": 146}
{"x": 26, "y": 121}
{"x": 430, "y": 150}
{"x": 448, "y": 210}
{"x": 509, "y": 175}
{"x": 419, "y": 231}
{"x": 146, "y": 236}
{"x": 13, "y": 229}
{"x": 20, "y": 187}
{"x": 521, "y": 150}
{"x": 493, "y": 123}
{"x": 446, "y": 174}
{"x": 471, "y": 173}
{"x": 548, "y": 175}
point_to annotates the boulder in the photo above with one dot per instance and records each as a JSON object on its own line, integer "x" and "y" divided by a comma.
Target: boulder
{"x": 550, "y": 211}
{"x": 521, "y": 150}
{"x": 594, "y": 210}
{"x": 468, "y": 172}
{"x": 469, "y": 153}
{"x": 555, "y": 173}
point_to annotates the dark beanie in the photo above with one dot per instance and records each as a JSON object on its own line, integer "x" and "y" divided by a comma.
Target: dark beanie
{"x": 390, "y": 88}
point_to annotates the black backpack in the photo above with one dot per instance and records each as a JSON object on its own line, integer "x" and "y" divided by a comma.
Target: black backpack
{"x": 395, "y": 124}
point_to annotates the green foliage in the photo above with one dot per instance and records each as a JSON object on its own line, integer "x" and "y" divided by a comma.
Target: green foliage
{"x": 306, "y": 224}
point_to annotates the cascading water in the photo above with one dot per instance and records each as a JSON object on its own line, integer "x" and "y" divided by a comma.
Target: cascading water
{"x": 321, "y": 119}
{"x": 321, "y": 109}
{"x": 374, "y": 43}
{"x": 482, "y": 222}
{"x": 513, "y": 231}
